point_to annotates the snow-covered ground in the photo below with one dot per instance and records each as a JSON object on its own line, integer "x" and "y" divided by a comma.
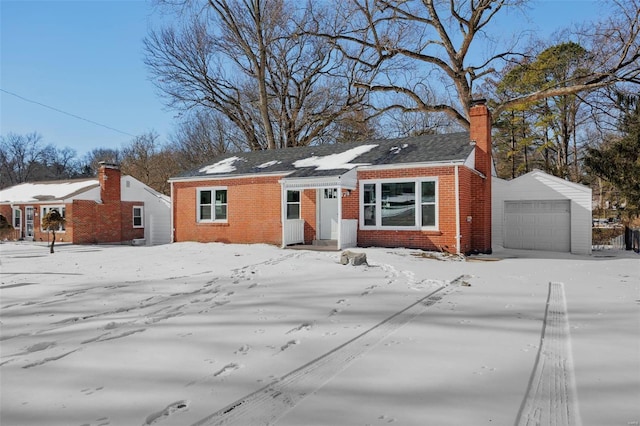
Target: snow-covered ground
{"x": 180, "y": 334}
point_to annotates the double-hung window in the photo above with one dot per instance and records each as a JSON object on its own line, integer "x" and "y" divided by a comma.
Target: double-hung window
{"x": 17, "y": 218}
{"x": 428, "y": 203}
{"x": 212, "y": 204}
{"x": 293, "y": 204}
{"x": 60, "y": 209}
{"x": 138, "y": 216}
{"x": 401, "y": 204}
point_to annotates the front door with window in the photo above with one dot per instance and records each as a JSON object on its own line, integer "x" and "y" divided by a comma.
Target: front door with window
{"x": 328, "y": 213}
{"x": 28, "y": 223}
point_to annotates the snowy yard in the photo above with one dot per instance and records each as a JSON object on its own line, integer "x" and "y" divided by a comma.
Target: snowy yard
{"x": 205, "y": 334}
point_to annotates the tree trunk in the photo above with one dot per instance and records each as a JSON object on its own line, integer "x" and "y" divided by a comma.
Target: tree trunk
{"x": 53, "y": 240}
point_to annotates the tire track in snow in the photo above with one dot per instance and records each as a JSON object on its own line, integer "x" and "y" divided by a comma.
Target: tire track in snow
{"x": 551, "y": 397}
{"x": 268, "y": 404}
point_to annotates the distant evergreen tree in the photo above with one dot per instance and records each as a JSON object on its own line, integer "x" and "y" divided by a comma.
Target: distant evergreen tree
{"x": 618, "y": 159}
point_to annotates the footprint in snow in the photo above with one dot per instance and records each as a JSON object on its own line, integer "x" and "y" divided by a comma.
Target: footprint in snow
{"x": 304, "y": 326}
{"x": 243, "y": 350}
{"x": 289, "y": 344}
{"x": 171, "y": 409}
{"x": 89, "y": 391}
{"x": 38, "y": 347}
{"x": 227, "y": 369}
{"x": 102, "y": 421}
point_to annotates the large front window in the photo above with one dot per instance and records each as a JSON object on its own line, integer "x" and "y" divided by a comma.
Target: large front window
{"x": 398, "y": 204}
{"x": 212, "y": 205}
{"x": 401, "y": 204}
{"x": 60, "y": 209}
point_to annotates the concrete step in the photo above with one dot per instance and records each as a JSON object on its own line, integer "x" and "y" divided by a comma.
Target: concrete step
{"x": 325, "y": 243}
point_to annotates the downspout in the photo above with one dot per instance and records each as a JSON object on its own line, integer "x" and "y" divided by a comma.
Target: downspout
{"x": 172, "y": 229}
{"x": 283, "y": 212}
{"x": 339, "y": 217}
{"x": 457, "y": 185}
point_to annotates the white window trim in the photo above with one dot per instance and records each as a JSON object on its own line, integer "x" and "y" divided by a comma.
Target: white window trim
{"x": 141, "y": 217}
{"x": 213, "y": 190}
{"x": 298, "y": 203}
{"x": 417, "y": 226}
{"x": 61, "y": 209}
{"x": 14, "y": 216}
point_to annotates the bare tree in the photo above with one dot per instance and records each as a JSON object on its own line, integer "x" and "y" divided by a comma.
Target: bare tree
{"x": 418, "y": 46}
{"x": 26, "y": 158}
{"x": 257, "y": 63}
{"x": 201, "y": 137}
{"x": 147, "y": 161}
{"x": 20, "y": 158}
{"x": 90, "y": 163}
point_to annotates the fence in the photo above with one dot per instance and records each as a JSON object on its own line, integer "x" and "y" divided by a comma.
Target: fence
{"x": 616, "y": 239}
{"x": 632, "y": 239}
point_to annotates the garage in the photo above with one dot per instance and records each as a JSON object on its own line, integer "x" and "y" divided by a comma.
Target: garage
{"x": 538, "y": 211}
{"x": 538, "y": 225}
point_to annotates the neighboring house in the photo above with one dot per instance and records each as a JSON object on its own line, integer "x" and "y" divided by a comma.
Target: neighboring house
{"x": 431, "y": 192}
{"x": 110, "y": 209}
{"x": 538, "y": 211}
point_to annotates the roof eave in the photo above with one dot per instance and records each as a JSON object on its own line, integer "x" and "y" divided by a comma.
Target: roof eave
{"x": 227, "y": 176}
{"x": 443, "y": 163}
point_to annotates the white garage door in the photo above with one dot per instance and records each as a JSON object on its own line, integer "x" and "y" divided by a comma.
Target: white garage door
{"x": 537, "y": 225}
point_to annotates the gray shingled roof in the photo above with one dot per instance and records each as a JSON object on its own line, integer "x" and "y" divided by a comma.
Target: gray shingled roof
{"x": 452, "y": 147}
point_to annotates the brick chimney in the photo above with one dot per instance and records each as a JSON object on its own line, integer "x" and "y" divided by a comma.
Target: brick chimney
{"x": 480, "y": 133}
{"x": 109, "y": 178}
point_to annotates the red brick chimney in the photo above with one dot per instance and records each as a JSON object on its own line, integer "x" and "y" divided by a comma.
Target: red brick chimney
{"x": 109, "y": 178}
{"x": 480, "y": 133}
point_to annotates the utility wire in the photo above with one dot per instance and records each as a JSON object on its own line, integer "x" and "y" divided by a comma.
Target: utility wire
{"x": 65, "y": 112}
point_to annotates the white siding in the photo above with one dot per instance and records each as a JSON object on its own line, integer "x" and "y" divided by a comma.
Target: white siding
{"x": 157, "y": 210}
{"x": 537, "y": 185}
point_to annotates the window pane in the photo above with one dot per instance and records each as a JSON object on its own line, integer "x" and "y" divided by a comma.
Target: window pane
{"x": 293, "y": 211}
{"x": 221, "y": 196}
{"x": 293, "y": 196}
{"x": 205, "y": 197}
{"x": 221, "y": 212}
{"x": 428, "y": 215}
{"x": 370, "y": 215}
{"x": 205, "y": 212}
{"x": 428, "y": 192}
{"x": 398, "y": 204}
{"x": 369, "y": 193}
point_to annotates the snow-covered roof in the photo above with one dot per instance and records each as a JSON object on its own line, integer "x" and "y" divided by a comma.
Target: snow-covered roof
{"x": 46, "y": 191}
{"x": 334, "y": 160}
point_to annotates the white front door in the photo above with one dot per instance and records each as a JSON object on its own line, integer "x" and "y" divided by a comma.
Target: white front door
{"x": 28, "y": 223}
{"x": 329, "y": 200}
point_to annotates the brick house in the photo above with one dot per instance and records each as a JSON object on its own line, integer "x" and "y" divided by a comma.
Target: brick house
{"x": 431, "y": 192}
{"x": 110, "y": 209}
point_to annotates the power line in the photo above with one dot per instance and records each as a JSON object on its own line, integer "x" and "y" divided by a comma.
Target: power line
{"x": 65, "y": 112}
